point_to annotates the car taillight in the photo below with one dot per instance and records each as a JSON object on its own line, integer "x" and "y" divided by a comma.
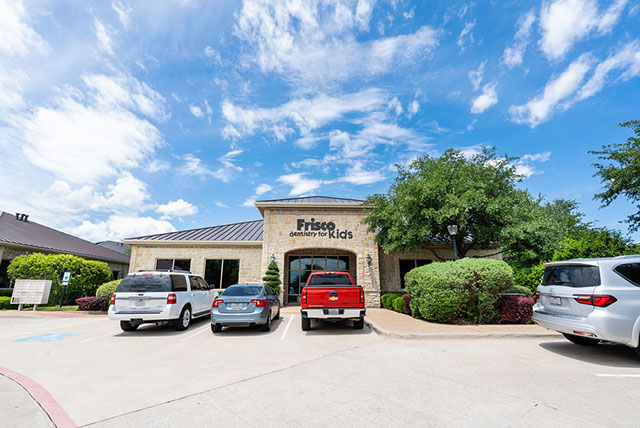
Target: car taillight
{"x": 113, "y": 299}
{"x": 172, "y": 299}
{"x": 536, "y": 297}
{"x": 362, "y": 297}
{"x": 259, "y": 302}
{"x": 600, "y": 300}
{"x": 303, "y": 298}
{"x": 217, "y": 302}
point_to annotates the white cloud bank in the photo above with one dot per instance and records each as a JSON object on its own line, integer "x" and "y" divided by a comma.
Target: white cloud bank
{"x": 178, "y": 208}
{"x": 513, "y": 55}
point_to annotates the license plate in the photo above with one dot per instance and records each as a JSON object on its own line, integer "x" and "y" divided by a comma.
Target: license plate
{"x": 236, "y": 306}
{"x": 333, "y": 312}
{"x": 139, "y": 302}
{"x": 555, "y": 301}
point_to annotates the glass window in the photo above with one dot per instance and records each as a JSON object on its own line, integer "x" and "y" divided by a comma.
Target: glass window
{"x": 195, "y": 284}
{"x": 242, "y": 290}
{"x": 179, "y": 282}
{"x": 294, "y": 263}
{"x": 164, "y": 264}
{"x": 203, "y": 284}
{"x": 230, "y": 270}
{"x": 332, "y": 264}
{"x": 319, "y": 280}
{"x": 213, "y": 272}
{"x": 343, "y": 263}
{"x": 305, "y": 263}
{"x": 182, "y": 264}
{"x": 408, "y": 265}
{"x": 145, "y": 283}
{"x": 630, "y": 272}
{"x": 572, "y": 276}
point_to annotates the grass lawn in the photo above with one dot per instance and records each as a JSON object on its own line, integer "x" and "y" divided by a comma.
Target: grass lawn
{"x": 54, "y": 308}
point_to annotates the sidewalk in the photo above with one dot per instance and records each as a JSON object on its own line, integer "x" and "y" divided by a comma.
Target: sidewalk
{"x": 393, "y": 324}
{"x": 19, "y": 409}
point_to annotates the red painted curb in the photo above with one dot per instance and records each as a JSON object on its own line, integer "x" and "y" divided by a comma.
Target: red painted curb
{"x": 56, "y": 413}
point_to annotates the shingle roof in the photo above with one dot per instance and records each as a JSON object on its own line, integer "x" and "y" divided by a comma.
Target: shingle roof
{"x": 314, "y": 200}
{"x": 236, "y": 232}
{"x": 119, "y": 247}
{"x": 40, "y": 237}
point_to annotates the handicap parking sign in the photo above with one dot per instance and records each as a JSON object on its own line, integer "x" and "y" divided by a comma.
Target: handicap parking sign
{"x": 48, "y": 337}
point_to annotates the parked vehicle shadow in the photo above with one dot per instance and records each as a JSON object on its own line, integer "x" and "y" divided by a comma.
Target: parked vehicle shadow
{"x": 326, "y": 328}
{"x": 164, "y": 329}
{"x": 250, "y": 331}
{"x": 603, "y": 354}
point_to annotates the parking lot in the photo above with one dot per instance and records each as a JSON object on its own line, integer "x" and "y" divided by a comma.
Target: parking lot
{"x": 329, "y": 376}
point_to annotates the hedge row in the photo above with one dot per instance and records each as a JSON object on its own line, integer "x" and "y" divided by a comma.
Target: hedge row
{"x": 108, "y": 288}
{"x": 5, "y": 303}
{"x": 93, "y": 304}
{"x": 396, "y": 302}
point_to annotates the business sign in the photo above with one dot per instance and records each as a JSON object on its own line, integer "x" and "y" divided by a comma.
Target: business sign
{"x": 323, "y": 229}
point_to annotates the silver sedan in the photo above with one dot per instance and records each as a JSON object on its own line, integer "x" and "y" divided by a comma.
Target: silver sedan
{"x": 245, "y": 305}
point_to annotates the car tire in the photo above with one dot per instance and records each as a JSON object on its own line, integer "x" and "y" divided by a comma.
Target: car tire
{"x": 306, "y": 324}
{"x": 216, "y": 328}
{"x": 359, "y": 325}
{"x": 184, "y": 321}
{"x": 277, "y": 317}
{"x": 267, "y": 326}
{"x": 579, "y": 340}
{"x": 128, "y": 326}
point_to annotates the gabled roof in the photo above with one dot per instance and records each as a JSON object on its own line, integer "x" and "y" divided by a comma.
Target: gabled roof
{"x": 248, "y": 231}
{"x": 313, "y": 200}
{"x": 39, "y": 237}
{"x": 117, "y": 246}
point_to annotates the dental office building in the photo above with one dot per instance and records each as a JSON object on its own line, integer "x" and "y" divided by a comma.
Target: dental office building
{"x": 302, "y": 235}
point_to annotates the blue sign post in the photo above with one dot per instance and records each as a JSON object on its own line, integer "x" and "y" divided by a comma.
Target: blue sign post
{"x": 65, "y": 281}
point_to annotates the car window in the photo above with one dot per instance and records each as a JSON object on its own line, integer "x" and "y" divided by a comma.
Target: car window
{"x": 203, "y": 284}
{"x": 268, "y": 290}
{"x": 572, "y": 276}
{"x": 329, "y": 279}
{"x": 147, "y": 283}
{"x": 195, "y": 285}
{"x": 630, "y": 272}
{"x": 242, "y": 290}
{"x": 179, "y": 282}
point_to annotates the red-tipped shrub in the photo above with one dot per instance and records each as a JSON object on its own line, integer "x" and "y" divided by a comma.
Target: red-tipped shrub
{"x": 516, "y": 309}
{"x": 92, "y": 304}
{"x": 406, "y": 299}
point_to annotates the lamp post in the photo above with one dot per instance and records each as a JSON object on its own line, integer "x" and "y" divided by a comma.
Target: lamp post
{"x": 369, "y": 260}
{"x": 453, "y": 231}
{"x": 273, "y": 257}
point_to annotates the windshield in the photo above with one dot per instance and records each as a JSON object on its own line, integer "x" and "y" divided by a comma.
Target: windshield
{"x": 329, "y": 279}
{"x": 150, "y": 283}
{"x": 242, "y": 290}
{"x": 572, "y": 276}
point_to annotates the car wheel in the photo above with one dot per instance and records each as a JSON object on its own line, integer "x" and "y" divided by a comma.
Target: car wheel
{"x": 277, "y": 317}
{"x": 216, "y": 328}
{"x": 306, "y": 324}
{"x": 579, "y": 340}
{"x": 267, "y": 326}
{"x": 359, "y": 325}
{"x": 128, "y": 326}
{"x": 183, "y": 322}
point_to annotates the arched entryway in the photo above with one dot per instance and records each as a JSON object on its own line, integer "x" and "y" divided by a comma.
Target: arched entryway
{"x": 301, "y": 262}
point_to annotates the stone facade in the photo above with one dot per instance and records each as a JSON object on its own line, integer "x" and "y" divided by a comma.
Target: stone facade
{"x": 143, "y": 257}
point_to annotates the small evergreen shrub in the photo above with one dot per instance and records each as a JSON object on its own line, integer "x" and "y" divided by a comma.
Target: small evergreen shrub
{"x": 5, "y": 303}
{"x": 92, "y": 303}
{"x": 6, "y": 293}
{"x": 398, "y": 304}
{"x": 529, "y": 277}
{"x": 272, "y": 276}
{"x": 387, "y": 299}
{"x": 107, "y": 289}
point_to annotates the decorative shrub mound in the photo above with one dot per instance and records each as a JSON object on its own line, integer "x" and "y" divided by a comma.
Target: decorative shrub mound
{"x": 387, "y": 299}
{"x": 398, "y": 304}
{"x": 519, "y": 289}
{"x": 5, "y": 303}
{"x": 465, "y": 290}
{"x": 86, "y": 275}
{"x": 107, "y": 289}
{"x": 92, "y": 303}
{"x": 516, "y": 309}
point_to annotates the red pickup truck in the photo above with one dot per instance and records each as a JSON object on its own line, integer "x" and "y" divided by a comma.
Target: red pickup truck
{"x": 332, "y": 296}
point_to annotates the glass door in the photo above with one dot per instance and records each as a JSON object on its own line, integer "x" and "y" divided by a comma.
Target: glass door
{"x": 300, "y": 267}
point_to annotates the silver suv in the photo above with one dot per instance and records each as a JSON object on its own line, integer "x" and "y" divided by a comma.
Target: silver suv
{"x": 155, "y": 296}
{"x": 589, "y": 300}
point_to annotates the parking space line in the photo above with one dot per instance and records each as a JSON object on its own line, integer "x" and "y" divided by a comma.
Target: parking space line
{"x": 111, "y": 333}
{"x": 195, "y": 334}
{"x": 286, "y": 329}
{"x": 616, "y": 375}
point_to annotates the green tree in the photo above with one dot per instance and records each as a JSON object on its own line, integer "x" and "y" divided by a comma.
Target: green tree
{"x": 272, "y": 276}
{"x": 478, "y": 194}
{"x": 620, "y": 172}
{"x": 599, "y": 242}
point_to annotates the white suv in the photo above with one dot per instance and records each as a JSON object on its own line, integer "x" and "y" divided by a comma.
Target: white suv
{"x": 154, "y": 296}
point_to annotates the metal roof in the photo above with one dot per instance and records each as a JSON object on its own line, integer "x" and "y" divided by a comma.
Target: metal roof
{"x": 313, "y": 200}
{"x": 39, "y": 237}
{"x": 236, "y": 232}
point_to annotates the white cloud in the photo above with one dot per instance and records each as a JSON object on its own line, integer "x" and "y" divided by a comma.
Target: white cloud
{"x": 486, "y": 99}
{"x": 16, "y": 36}
{"x": 410, "y": 14}
{"x": 102, "y": 33}
{"x": 177, "y": 208}
{"x": 316, "y": 43}
{"x": 565, "y": 22}
{"x": 465, "y": 38}
{"x": 558, "y": 89}
{"x": 524, "y": 165}
{"x": 356, "y": 174}
{"x": 194, "y": 166}
{"x": 413, "y": 108}
{"x": 212, "y": 53}
{"x": 477, "y": 75}
{"x": 220, "y": 204}
{"x": 196, "y": 111}
{"x": 260, "y": 190}
{"x": 118, "y": 227}
{"x": 123, "y": 11}
{"x": 299, "y": 183}
{"x": 513, "y": 55}
{"x": 12, "y": 84}
{"x": 396, "y": 106}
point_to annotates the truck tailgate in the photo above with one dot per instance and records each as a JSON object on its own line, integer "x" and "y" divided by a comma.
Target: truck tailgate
{"x": 333, "y": 297}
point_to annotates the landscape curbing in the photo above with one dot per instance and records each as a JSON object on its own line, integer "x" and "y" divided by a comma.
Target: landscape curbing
{"x": 433, "y": 336}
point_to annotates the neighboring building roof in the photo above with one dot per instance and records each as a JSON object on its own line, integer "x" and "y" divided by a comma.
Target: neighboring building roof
{"x": 313, "y": 200}
{"x": 116, "y": 246}
{"x": 28, "y": 233}
{"x": 248, "y": 231}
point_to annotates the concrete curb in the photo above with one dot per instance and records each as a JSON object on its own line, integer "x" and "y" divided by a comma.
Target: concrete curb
{"x": 433, "y": 336}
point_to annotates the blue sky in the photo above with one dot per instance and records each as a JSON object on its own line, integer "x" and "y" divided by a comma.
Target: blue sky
{"x": 124, "y": 118}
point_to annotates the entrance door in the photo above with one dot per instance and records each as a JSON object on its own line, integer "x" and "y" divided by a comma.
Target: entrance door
{"x": 300, "y": 267}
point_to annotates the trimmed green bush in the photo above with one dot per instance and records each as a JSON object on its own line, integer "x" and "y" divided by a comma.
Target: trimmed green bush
{"x": 529, "y": 277}
{"x": 465, "y": 290}
{"x": 398, "y": 304}
{"x": 518, "y": 289}
{"x": 108, "y": 288}
{"x": 6, "y": 293}
{"x": 86, "y": 275}
{"x": 387, "y": 299}
{"x": 5, "y": 303}
{"x": 272, "y": 276}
